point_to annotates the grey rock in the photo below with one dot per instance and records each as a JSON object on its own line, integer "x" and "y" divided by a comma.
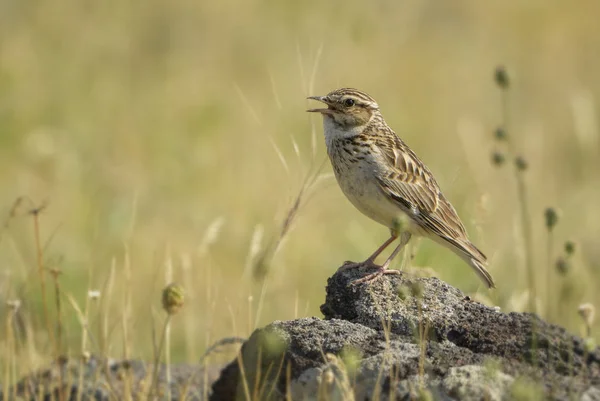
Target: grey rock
{"x": 404, "y": 338}
{"x": 591, "y": 394}
{"x": 102, "y": 379}
{"x": 470, "y": 382}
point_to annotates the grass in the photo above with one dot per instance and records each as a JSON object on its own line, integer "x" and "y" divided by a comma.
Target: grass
{"x": 170, "y": 138}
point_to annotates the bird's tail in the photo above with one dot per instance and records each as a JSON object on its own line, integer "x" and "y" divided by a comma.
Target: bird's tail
{"x": 479, "y": 267}
{"x": 474, "y": 258}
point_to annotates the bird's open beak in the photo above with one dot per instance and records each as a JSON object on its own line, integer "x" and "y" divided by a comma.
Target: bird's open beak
{"x": 320, "y": 99}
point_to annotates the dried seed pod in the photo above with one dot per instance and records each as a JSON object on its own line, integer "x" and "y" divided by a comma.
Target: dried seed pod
{"x": 498, "y": 158}
{"x": 501, "y": 77}
{"x": 551, "y": 218}
{"x": 172, "y": 298}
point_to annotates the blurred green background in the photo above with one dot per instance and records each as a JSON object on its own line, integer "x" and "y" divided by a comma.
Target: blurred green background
{"x": 169, "y": 140}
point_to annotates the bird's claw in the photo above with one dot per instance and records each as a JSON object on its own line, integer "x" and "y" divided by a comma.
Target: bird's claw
{"x": 369, "y": 278}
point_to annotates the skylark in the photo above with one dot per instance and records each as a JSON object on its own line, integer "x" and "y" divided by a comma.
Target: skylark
{"x": 385, "y": 180}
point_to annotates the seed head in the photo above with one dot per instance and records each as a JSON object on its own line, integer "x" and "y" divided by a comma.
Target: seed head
{"x": 498, "y": 158}
{"x": 562, "y": 266}
{"x": 587, "y": 313}
{"x": 521, "y": 163}
{"x": 569, "y": 248}
{"x": 551, "y": 218}
{"x": 172, "y": 298}
{"x": 501, "y": 77}
{"x": 55, "y": 272}
{"x": 14, "y": 304}
{"x": 500, "y": 134}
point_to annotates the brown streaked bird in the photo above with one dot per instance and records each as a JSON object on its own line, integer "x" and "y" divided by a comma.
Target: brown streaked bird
{"x": 386, "y": 181}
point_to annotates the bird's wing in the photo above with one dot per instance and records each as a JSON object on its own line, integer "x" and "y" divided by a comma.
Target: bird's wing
{"x": 410, "y": 184}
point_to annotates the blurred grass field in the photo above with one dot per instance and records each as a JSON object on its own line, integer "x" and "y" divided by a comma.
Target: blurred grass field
{"x": 169, "y": 141}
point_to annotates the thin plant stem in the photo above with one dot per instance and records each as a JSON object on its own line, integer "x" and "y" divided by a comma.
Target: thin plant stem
{"x": 168, "y": 359}
{"x": 9, "y": 352}
{"x": 41, "y": 273}
{"x": 244, "y": 377}
{"x": 519, "y": 167}
{"x": 157, "y": 358}
{"x": 83, "y": 357}
{"x": 523, "y": 208}
{"x": 526, "y": 227}
{"x": 421, "y": 347}
{"x": 55, "y": 273}
{"x": 549, "y": 282}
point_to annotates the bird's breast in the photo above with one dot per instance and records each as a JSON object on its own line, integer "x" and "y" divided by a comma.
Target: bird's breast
{"x": 356, "y": 170}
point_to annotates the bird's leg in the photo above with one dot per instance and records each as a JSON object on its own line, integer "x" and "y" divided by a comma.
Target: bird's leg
{"x": 370, "y": 262}
{"x": 381, "y": 270}
{"x": 403, "y": 241}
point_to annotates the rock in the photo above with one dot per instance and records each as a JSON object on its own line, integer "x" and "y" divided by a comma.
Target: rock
{"x": 103, "y": 379}
{"x": 592, "y": 394}
{"x": 407, "y": 338}
{"x": 472, "y": 381}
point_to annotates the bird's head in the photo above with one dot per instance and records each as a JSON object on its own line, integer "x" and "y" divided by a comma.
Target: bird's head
{"x": 347, "y": 107}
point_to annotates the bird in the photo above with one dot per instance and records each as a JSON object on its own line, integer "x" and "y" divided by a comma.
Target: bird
{"x": 386, "y": 181}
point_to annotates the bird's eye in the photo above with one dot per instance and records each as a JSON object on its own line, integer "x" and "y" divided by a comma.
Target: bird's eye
{"x": 349, "y": 102}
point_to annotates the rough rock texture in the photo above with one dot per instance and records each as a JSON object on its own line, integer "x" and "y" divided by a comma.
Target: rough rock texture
{"x": 101, "y": 379}
{"x": 410, "y": 338}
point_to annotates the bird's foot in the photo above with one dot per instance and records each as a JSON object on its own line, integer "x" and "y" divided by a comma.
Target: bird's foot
{"x": 369, "y": 278}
